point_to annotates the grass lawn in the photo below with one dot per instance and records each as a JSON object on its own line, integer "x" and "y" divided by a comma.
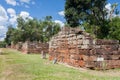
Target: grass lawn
{"x": 17, "y": 66}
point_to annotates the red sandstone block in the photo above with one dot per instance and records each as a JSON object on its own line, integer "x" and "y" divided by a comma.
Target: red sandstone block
{"x": 72, "y": 51}
{"x": 81, "y": 63}
{"x": 92, "y": 58}
{"x": 113, "y": 64}
{"x": 84, "y": 51}
{"x": 90, "y": 64}
{"x": 83, "y": 57}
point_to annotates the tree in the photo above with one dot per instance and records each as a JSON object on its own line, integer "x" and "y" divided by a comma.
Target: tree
{"x": 9, "y": 35}
{"x": 21, "y": 23}
{"x": 32, "y": 30}
{"x": 2, "y": 44}
{"x": 50, "y": 28}
{"x": 92, "y": 12}
{"x": 114, "y": 32}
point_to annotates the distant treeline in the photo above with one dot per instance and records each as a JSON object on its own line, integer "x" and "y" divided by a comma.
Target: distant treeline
{"x": 2, "y": 44}
{"x": 32, "y": 30}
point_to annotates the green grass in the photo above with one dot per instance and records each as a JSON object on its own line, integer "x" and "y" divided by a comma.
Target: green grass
{"x": 17, "y": 66}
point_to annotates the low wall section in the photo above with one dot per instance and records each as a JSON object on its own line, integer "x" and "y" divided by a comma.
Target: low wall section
{"x": 31, "y": 47}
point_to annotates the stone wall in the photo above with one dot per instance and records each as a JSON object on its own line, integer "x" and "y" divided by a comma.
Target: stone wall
{"x": 31, "y": 47}
{"x": 35, "y": 47}
{"x": 77, "y": 48}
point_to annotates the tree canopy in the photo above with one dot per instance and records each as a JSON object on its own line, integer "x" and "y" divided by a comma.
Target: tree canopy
{"x": 79, "y": 11}
{"x": 90, "y": 14}
{"x": 32, "y": 30}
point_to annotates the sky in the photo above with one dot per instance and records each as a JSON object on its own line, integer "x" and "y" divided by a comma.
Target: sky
{"x": 10, "y": 9}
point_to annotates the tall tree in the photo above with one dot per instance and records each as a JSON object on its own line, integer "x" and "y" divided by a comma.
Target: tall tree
{"x": 87, "y": 11}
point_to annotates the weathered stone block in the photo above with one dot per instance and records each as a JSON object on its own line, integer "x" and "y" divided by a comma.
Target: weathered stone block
{"x": 85, "y": 47}
{"x": 80, "y": 42}
{"x": 80, "y": 36}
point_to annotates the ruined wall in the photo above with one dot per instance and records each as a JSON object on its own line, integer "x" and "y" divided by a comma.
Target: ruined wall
{"x": 35, "y": 47}
{"x": 31, "y": 47}
{"x": 77, "y": 48}
{"x": 17, "y": 46}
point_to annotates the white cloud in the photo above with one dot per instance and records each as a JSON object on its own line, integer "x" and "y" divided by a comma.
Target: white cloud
{"x": 25, "y": 15}
{"x": 25, "y": 1}
{"x": 3, "y": 16}
{"x": 3, "y": 31}
{"x": 11, "y": 11}
{"x": 3, "y": 21}
{"x": 11, "y": 2}
{"x": 20, "y": 2}
{"x": 3, "y": 28}
{"x": 61, "y": 13}
{"x": 59, "y": 22}
{"x": 109, "y": 11}
{"x": 108, "y": 7}
{"x": 13, "y": 16}
{"x": 12, "y": 19}
{"x": 1, "y": 39}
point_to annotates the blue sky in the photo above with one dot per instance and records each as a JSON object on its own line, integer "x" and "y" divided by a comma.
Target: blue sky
{"x": 9, "y": 10}
{"x": 37, "y": 8}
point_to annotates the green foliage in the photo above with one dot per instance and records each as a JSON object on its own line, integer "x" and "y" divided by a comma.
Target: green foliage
{"x": 92, "y": 15}
{"x": 97, "y": 31}
{"x": 9, "y": 35}
{"x": 80, "y": 11}
{"x": 2, "y": 44}
{"x": 50, "y": 28}
{"x": 114, "y": 32}
{"x": 32, "y": 30}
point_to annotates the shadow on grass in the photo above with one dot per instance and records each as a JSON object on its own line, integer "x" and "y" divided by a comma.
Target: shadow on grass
{"x": 4, "y": 53}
